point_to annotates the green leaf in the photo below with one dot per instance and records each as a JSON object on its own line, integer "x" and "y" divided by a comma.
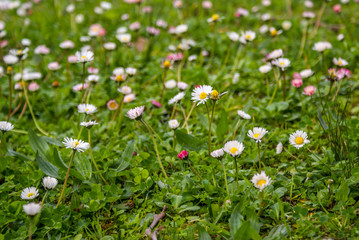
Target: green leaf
{"x": 246, "y": 231}
{"x": 236, "y": 220}
{"x": 83, "y": 166}
{"x": 203, "y": 235}
{"x": 342, "y": 192}
{"x": 18, "y": 155}
{"x": 222, "y": 126}
{"x": 39, "y": 145}
{"x": 188, "y": 141}
{"x": 57, "y": 160}
{"x": 322, "y": 123}
{"x": 191, "y": 208}
{"x": 48, "y": 168}
{"x": 126, "y": 156}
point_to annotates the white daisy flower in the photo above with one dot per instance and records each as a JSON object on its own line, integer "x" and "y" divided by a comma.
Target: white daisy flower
{"x": 6, "y": 126}
{"x": 49, "y": 182}
{"x": 136, "y": 113}
{"x": 89, "y": 124}
{"x": 275, "y": 54}
{"x": 234, "y": 148}
{"x": 322, "y": 46}
{"x": 32, "y": 209}
{"x": 201, "y": 94}
{"x": 109, "y": 46}
{"x": 67, "y": 44}
{"x": 125, "y": 90}
{"x": 217, "y": 153}
{"x": 10, "y": 59}
{"x": 170, "y": 84}
{"x": 84, "y": 56}
{"x": 129, "y": 98}
{"x": 244, "y": 115}
{"x": 340, "y": 62}
{"x": 279, "y": 148}
{"x": 298, "y": 139}
{"x": 261, "y": 181}
{"x": 124, "y": 37}
{"x": 29, "y": 193}
{"x": 214, "y": 18}
{"x": 86, "y": 108}
{"x": 282, "y": 63}
{"x": 77, "y": 145}
{"x": 176, "y": 98}
{"x": 306, "y": 73}
{"x": 233, "y": 36}
{"x": 274, "y": 32}
{"x": 249, "y": 35}
{"x": 93, "y": 78}
{"x": 173, "y": 124}
{"x": 131, "y": 71}
{"x": 182, "y": 85}
{"x": 265, "y": 68}
{"x": 257, "y": 133}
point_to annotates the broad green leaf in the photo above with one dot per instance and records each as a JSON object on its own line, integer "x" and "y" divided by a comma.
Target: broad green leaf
{"x": 191, "y": 208}
{"x": 126, "y": 156}
{"x": 203, "y": 235}
{"x": 236, "y": 220}
{"x": 342, "y": 192}
{"x": 322, "y": 122}
{"x": 83, "y": 166}
{"x": 246, "y": 231}
{"x": 188, "y": 141}
{"x": 18, "y": 155}
{"x": 39, "y": 145}
{"x": 57, "y": 160}
{"x": 48, "y": 168}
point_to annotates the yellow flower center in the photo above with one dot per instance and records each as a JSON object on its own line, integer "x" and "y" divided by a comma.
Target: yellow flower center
{"x": 83, "y": 57}
{"x": 119, "y": 78}
{"x": 340, "y": 62}
{"x": 203, "y": 95}
{"x": 273, "y": 32}
{"x": 215, "y": 17}
{"x": 234, "y": 150}
{"x": 214, "y": 94}
{"x": 30, "y": 194}
{"x": 248, "y": 37}
{"x": 257, "y": 135}
{"x": 113, "y": 105}
{"x": 167, "y": 64}
{"x": 299, "y": 140}
{"x": 76, "y": 143}
{"x": 9, "y": 70}
{"x": 281, "y": 63}
{"x": 19, "y": 51}
{"x": 87, "y": 109}
{"x": 261, "y": 182}
{"x": 128, "y": 99}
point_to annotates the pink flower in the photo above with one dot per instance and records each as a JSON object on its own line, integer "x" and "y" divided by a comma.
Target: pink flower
{"x": 112, "y": 105}
{"x": 72, "y": 59}
{"x": 175, "y": 56}
{"x": 92, "y": 70}
{"x": 297, "y": 82}
{"x": 297, "y": 76}
{"x": 3, "y": 43}
{"x": 96, "y": 30}
{"x": 153, "y": 31}
{"x": 147, "y": 9}
{"x": 183, "y": 155}
{"x": 135, "y": 26}
{"x": 207, "y": 4}
{"x": 33, "y": 87}
{"x": 337, "y": 8}
{"x": 42, "y": 49}
{"x": 241, "y": 12}
{"x": 309, "y": 90}
{"x": 53, "y": 66}
{"x": 78, "y": 87}
{"x": 342, "y": 73}
{"x": 156, "y": 104}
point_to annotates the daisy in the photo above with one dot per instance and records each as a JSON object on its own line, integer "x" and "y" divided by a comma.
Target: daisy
{"x": 49, "y": 182}
{"x": 282, "y": 63}
{"x": 173, "y": 124}
{"x": 136, "y": 113}
{"x": 125, "y": 90}
{"x": 275, "y": 54}
{"x": 10, "y": 59}
{"x": 67, "y": 44}
{"x": 322, "y": 46}
{"x": 84, "y": 56}
{"x": 118, "y": 77}
{"x": 29, "y": 193}
{"x": 265, "y": 68}
{"x": 131, "y": 71}
{"x": 129, "y": 98}
{"x": 257, "y": 133}
{"x": 53, "y": 66}
{"x": 76, "y": 145}
{"x": 274, "y": 32}
{"x": 249, "y": 35}
{"x": 309, "y": 90}
{"x": 89, "y": 124}
{"x": 279, "y": 148}
{"x": 42, "y": 50}
{"x": 182, "y": 85}
{"x": 214, "y": 18}
{"x": 32, "y": 209}
{"x": 176, "y": 98}
{"x": 340, "y": 62}
{"x": 233, "y": 36}
{"x": 86, "y": 108}
{"x": 244, "y": 115}
{"x": 170, "y": 84}
{"x": 261, "y": 181}
{"x": 234, "y": 148}
{"x": 201, "y": 94}
{"x": 109, "y": 46}
{"x": 124, "y": 37}
{"x": 217, "y": 153}
{"x": 93, "y": 78}
{"x": 298, "y": 139}
{"x": 112, "y": 105}
{"x": 6, "y": 126}
{"x": 306, "y": 73}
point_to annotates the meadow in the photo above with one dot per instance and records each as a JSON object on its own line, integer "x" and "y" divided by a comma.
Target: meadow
{"x": 183, "y": 119}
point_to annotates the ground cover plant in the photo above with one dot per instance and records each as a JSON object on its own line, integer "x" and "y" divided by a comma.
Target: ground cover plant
{"x": 182, "y": 119}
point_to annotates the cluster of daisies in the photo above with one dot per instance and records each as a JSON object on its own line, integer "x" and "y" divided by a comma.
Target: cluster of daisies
{"x": 31, "y": 209}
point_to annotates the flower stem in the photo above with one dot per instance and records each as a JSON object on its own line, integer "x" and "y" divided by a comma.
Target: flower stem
{"x": 225, "y": 176}
{"x": 284, "y": 86}
{"x": 261, "y": 204}
{"x": 235, "y": 163}
{"x": 189, "y": 114}
{"x": 194, "y": 170}
{"x": 30, "y": 227}
{"x": 67, "y": 175}
{"x": 93, "y": 159}
{"x": 236, "y": 128}
{"x": 174, "y": 140}
{"x": 163, "y": 85}
{"x": 10, "y": 97}
{"x": 44, "y": 198}
{"x": 83, "y": 82}
{"x": 154, "y": 142}
{"x": 210, "y": 117}
{"x": 259, "y": 157}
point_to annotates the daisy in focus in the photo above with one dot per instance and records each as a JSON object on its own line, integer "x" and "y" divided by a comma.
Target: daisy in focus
{"x": 234, "y": 148}
{"x": 298, "y": 139}
{"x": 201, "y": 94}
{"x": 76, "y": 145}
{"x": 29, "y": 193}
{"x": 261, "y": 181}
{"x": 257, "y": 133}
{"x": 84, "y": 56}
{"x": 136, "y": 113}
